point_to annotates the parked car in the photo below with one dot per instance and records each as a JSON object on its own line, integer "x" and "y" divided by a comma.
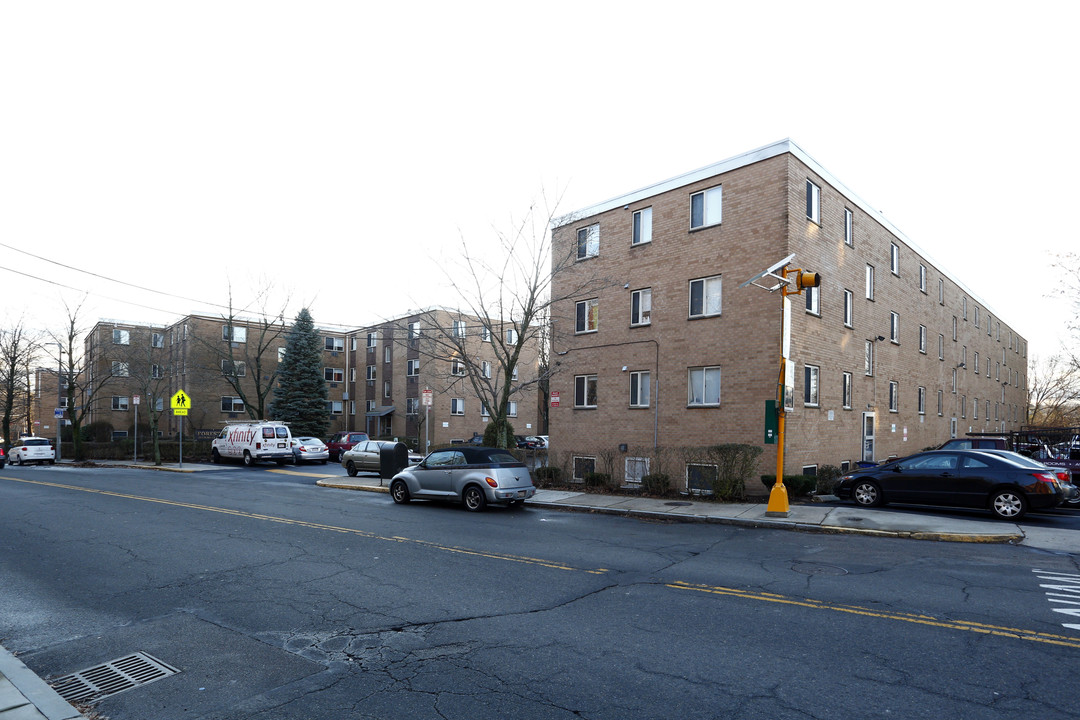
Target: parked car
{"x": 956, "y": 478}
{"x": 366, "y": 456}
{"x": 3, "y": 457}
{"x": 309, "y": 449}
{"x": 32, "y": 450}
{"x": 1064, "y": 476}
{"x": 525, "y": 443}
{"x": 975, "y": 443}
{"x": 252, "y": 441}
{"x": 475, "y": 476}
{"x": 342, "y": 441}
{"x": 539, "y": 441}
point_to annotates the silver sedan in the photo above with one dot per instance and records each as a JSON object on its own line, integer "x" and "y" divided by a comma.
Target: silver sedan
{"x": 475, "y": 476}
{"x": 309, "y": 449}
{"x": 367, "y": 457}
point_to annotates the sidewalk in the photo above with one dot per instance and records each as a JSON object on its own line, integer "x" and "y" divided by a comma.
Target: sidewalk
{"x": 25, "y": 696}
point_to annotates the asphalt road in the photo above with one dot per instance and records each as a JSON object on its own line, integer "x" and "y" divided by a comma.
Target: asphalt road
{"x": 278, "y": 599}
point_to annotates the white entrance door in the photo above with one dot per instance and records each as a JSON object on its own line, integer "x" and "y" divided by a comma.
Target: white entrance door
{"x": 868, "y": 436}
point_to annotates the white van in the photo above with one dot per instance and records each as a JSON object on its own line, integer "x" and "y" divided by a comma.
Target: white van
{"x": 252, "y": 441}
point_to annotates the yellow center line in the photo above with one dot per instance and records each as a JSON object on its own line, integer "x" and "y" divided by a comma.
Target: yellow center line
{"x": 321, "y": 526}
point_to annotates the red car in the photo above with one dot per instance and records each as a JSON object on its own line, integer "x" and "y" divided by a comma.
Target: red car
{"x": 344, "y": 441}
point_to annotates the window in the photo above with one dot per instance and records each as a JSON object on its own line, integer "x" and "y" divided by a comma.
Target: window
{"x": 412, "y": 368}
{"x": 585, "y": 391}
{"x": 846, "y": 391}
{"x": 963, "y": 356}
{"x": 370, "y": 372}
{"x": 941, "y": 403}
{"x": 849, "y": 308}
{"x": 370, "y": 406}
{"x": 514, "y": 374}
{"x": 583, "y": 466}
{"x": 588, "y": 241}
{"x": 700, "y": 479}
{"x": 894, "y": 327}
{"x": 636, "y": 468}
{"x": 157, "y": 371}
{"x": 120, "y": 369}
{"x": 484, "y": 412}
{"x": 976, "y": 363}
{"x": 922, "y": 401}
{"x": 412, "y": 406}
{"x": 922, "y": 339}
{"x": 119, "y": 402}
{"x": 705, "y": 207}
{"x": 989, "y": 323}
{"x": 352, "y": 346}
{"x": 941, "y": 292}
{"x": 352, "y": 404}
{"x": 641, "y": 307}
{"x": 414, "y": 330}
{"x": 922, "y": 278}
{"x": 849, "y": 234}
{"x": 511, "y": 336}
{"x": 231, "y": 404}
{"x": 894, "y": 396}
{"x": 810, "y": 385}
{"x": 869, "y": 282}
{"x": 121, "y": 337}
{"x": 894, "y": 258}
{"x": 976, "y": 316}
{"x": 485, "y": 333}
{"x": 954, "y": 328}
{"x": 813, "y": 202}
{"x": 511, "y": 409}
{"x": 642, "y": 227}
{"x": 485, "y": 368}
{"x": 588, "y": 315}
{"x": 868, "y": 357}
{"x": 954, "y": 381}
{"x": 703, "y": 386}
{"x": 963, "y": 305}
{"x": 705, "y": 297}
{"x": 333, "y": 374}
{"x": 159, "y": 404}
{"x": 940, "y": 347}
{"x": 233, "y": 368}
{"x": 457, "y": 367}
{"x": 157, "y": 340}
{"x": 386, "y": 388}
{"x": 280, "y": 354}
{"x": 388, "y": 355}
{"x": 459, "y": 328}
{"x": 639, "y": 389}
{"x": 239, "y": 334}
{"x": 457, "y": 406}
{"x": 335, "y": 407}
{"x": 335, "y": 344}
{"x": 975, "y": 409}
{"x": 813, "y": 300}
{"x": 372, "y": 338}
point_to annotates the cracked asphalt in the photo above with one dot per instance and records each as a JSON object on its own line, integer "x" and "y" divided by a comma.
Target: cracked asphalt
{"x": 279, "y": 600}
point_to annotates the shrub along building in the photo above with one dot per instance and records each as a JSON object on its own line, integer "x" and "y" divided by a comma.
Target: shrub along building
{"x": 891, "y": 354}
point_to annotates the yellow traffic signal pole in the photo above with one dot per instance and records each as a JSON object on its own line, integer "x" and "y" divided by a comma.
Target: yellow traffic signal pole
{"x": 778, "y": 497}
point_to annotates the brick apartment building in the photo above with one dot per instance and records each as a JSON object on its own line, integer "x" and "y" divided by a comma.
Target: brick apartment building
{"x": 891, "y": 353}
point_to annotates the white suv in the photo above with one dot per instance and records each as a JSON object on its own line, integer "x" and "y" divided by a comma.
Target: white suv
{"x": 32, "y": 450}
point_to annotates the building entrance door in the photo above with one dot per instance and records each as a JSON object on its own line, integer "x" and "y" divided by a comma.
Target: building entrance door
{"x": 868, "y": 436}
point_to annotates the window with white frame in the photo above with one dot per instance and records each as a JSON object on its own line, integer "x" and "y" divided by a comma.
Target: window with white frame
{"x": 484, "y": 412}
{"x": 636, "y": 468}
{"x": 639, "y": 388}
{"x": 700, "y": 478}
{"x": 588, "y": 241}
{"x": 642, "y": 222}
{"x": 335, "y": 407}
{"x": 233, "y": 368}
{"x": 414, "y": 330}
{"x": 584, "y": 391}
{"x": 813, "y": 202}
{"x": 370, "y": 406}
{"x": 412, "y": 406}
{"x": 922, "y": 278}
{"x": 511, "y": 336}
{"x": 371, "y": 372}
{"x": 922, "y": 339}
{"x": 894, "y": 396}
{"x": 869, "y": 282}
{"x": 159, "y": 404}
{"x": 386, "y": 389}
{"x": 954, "y": 329}
{"x": 706, "y": 207}
{"x": 412, "y": 368}
{"x": 705, "y": 296}
{"x": 587, "y": 315}
{"x": 352, "y": 344}
{"x": 485, "y": 368}
{"x": 388, "y": 355}
{"x": 849, "y": 229}
{"x": 922, "y": 400}
{"x": 894, "y": 258}
{"x": 514, "y": 374}
{"x": 352, "y": 404}
{"x": 846, "y": 390}
{"x": 120, "y": 369}
{"x": 238, "y": 334}
{"x": 641, "y": 307}
{"x": 511, "y": 408}
{"x": 894, "y": 327}
{"x": 813, "y": 300}
{"x": 280, "y": 354}
{"x": 157, "y": 340}
{"x": 941, "y": 404}
{"x": 119, "y": 402}
{"x": 334, "y": 344}
{"x": 333, "y": 374}
{"x": 849, "y": 308}
{"x": 457, "y": 367}
{"x": 703, "y": 386}
{"x": 352, "y": 374}
{"x": 457, "y": 406}
{"x": 459, "y": 329}
{"x": 231, "y": 404}
{"x": 811, "y": 375}
{"x": 976, "y": 363}
{"x": 941, "y": 291}
{"x": 975, "y": 409}
{"x": 940, "y": 347}
{"x": 485, "y": 333}
{"x": 583, "y": 466}
{"x": 868, "y": 357}
{"x": 121, "y": 337}
{"x": 372, "y": 339}
{"x": 963, "y": 307}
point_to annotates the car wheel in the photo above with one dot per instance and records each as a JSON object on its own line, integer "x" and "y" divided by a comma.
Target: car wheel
{"x": 215, "y": 456}
{"x": 474, "y": 499}
{"x": 248, "y": 460}
{"x": 20, "y": 462}
{"x": 399, "y": 491}
{"x": 350, "y": 467}
{"x": 1008, "y": 504}
{"x": 867, "y": 494}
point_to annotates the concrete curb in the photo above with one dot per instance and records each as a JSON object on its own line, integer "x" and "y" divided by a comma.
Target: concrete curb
{"x": 36, "y": 691}
{"x": 343, "y": 486}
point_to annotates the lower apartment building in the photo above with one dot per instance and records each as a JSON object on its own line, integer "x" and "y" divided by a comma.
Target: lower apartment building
{"x": 889, "y": 355}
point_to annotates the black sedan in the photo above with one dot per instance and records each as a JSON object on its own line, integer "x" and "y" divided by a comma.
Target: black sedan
{"x": 956, "y": 478}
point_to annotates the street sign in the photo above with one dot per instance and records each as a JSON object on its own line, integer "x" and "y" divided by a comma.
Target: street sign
{"x": 427, "y": 396}
{"x": 180, "y": 401}
{"x": 58, "y": 413}
{"x": 179, "y": 411}
{"x": 554, "y": 398}
{"x": 135, "y": 399}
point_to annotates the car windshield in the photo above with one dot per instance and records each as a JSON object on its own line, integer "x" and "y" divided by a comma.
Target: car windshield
{"x": 1016, "y": 458}
{"x": 501, "y": 456}
{"x": 35, "y": 442}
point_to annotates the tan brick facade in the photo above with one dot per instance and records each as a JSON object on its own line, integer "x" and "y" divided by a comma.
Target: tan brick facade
{"x": 763, "y": 200}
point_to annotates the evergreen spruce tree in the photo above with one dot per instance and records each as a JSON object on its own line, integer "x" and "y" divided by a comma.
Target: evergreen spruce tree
{"x": 301, "y": 397}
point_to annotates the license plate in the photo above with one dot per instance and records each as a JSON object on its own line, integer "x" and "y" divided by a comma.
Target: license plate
{"x": 521, "y": 493}
{"x": 281, "y": 445}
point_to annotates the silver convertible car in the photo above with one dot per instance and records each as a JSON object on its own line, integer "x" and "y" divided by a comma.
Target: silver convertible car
{"x": 474, "y": 475}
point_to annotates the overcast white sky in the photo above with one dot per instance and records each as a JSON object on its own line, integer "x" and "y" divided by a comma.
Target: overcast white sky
{"x": 336, "y": 148}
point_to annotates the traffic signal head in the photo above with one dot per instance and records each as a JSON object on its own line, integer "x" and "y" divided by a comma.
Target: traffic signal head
{"x": 808, "y": 279}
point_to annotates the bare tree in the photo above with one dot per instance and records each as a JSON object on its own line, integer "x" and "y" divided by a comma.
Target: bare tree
{"x": 1053, "y": 392}
{"x": 17, "y": 352}
{"x": 508, "y": 294}
{"x": 1069, "y": 266}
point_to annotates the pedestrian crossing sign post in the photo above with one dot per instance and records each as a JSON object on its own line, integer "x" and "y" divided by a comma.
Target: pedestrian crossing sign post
{"x": 180, "y": 403}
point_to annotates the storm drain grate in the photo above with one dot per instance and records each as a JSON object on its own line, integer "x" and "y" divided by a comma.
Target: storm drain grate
{"x": 111, "y": 678}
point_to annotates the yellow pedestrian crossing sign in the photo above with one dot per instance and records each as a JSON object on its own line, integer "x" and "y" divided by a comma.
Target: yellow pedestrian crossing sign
{"x": 180, "y": 403}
